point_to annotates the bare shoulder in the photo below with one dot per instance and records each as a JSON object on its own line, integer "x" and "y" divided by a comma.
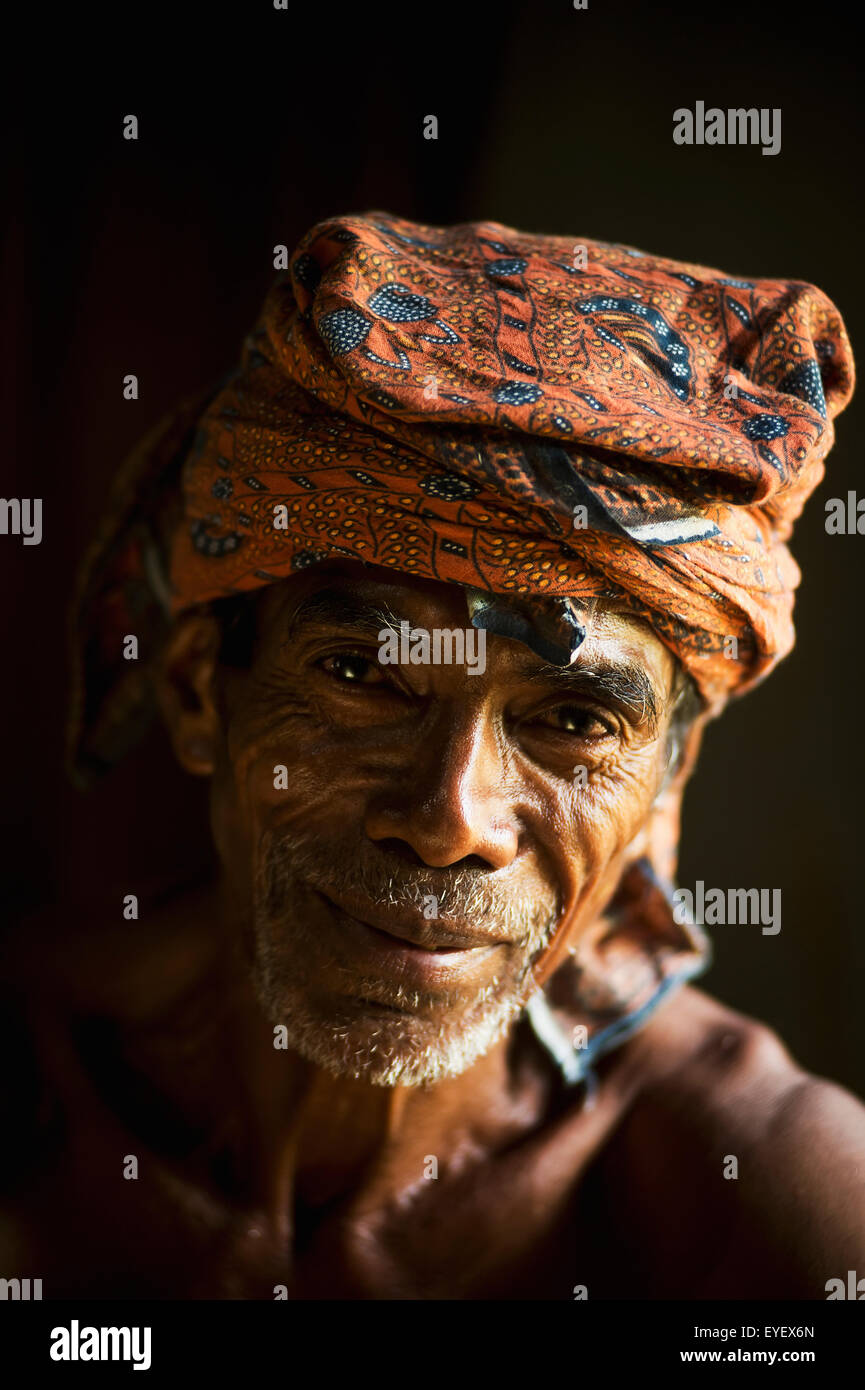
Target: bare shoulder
{"x": 736, "y": 1070}
{"x": 763, "y": 1162}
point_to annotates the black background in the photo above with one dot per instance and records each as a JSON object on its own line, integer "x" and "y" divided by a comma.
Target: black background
{"x": 153, "y": 256}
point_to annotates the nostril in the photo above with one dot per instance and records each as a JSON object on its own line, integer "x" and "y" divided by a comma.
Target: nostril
{"x": 400, "y": 849}
{"x": 473, "y": 861}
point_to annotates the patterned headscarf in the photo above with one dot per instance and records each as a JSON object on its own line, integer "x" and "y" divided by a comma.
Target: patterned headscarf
{"x": 539, "y": 418}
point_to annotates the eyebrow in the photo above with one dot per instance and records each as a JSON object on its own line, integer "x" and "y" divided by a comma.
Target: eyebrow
{"x": 338, "y": 608}
{"x": 624, "y": 682}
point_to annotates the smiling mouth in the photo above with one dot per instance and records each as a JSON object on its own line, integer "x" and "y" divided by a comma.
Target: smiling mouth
{"x": 405, "y": 937}
{"x": 418, "y": 965}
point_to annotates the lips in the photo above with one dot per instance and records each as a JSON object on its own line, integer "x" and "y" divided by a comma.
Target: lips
{"x": 387, "y": 961}
{"x": 426, "y": 936}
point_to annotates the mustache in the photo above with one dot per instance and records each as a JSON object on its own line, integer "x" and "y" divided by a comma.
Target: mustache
{"x": 465, "y": 894}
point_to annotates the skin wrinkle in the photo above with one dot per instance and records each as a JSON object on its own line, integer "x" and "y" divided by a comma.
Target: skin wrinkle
{"x": 288, "y": 859}
{"x": 627, "y": 683}
{"x": 271, "y": 707}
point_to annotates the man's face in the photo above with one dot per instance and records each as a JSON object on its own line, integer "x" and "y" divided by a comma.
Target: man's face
{"x": 404, "y": 840}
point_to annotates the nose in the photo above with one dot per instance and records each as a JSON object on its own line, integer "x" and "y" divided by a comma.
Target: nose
{"x": 452, "y": 803}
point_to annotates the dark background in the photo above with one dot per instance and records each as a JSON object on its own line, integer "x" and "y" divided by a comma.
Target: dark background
{"x": 152, "y": 257}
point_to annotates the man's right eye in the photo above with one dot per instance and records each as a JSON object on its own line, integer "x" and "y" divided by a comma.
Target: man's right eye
{"x": 352, "y": 669}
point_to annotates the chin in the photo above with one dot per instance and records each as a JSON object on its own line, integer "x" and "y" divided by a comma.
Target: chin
{"x": 386, "y": 1046}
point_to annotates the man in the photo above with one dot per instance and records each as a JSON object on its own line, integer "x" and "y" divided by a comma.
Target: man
{"x": 439, "y": 591}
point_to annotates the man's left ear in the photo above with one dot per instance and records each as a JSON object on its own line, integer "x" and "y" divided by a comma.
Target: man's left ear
{"x": 184, "y": 683}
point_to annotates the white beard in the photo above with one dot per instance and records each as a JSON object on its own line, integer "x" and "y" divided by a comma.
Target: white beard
{"x": 383, "y": 1048}
{"x": 388, "y": 1055}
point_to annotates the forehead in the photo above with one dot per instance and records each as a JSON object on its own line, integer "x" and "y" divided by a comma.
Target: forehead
{"x": 612, "y": 633}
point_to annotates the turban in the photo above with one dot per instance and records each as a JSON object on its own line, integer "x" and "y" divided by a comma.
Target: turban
{"x": 539, "y": 418}
{"x": 529, "y": 416}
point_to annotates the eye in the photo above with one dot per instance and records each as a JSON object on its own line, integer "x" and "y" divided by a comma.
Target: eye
{"x": 350, "y": 668}
{"x": 576, "y": 720}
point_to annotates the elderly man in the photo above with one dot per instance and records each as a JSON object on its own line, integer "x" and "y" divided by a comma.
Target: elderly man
{"x": 430, "y": 1034}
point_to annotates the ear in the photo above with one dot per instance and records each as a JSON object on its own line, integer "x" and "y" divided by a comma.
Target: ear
{"x": 184, "y": 680}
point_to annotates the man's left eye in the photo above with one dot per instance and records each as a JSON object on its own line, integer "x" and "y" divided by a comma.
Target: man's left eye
{"x": 577, "y": 720}
{"x": 352, "y": 669}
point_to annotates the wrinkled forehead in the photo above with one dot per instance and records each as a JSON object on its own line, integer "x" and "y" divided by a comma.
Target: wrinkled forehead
{"x": 348, "y": 595}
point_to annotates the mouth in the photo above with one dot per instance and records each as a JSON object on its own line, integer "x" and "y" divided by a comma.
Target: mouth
{"x": 420, "y": 954}
{"x": 426, "y": 936}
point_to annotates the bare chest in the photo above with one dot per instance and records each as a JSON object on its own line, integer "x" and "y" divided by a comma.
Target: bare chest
{"x": 505, "y": 1227}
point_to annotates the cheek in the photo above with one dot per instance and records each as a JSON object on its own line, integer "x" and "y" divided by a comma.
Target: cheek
{"x": 619, "y": 796}
{"x": 284, "y": 764}
{"x": 595, "y": 823}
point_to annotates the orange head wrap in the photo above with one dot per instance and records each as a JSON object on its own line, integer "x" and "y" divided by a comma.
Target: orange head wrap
{"x": 527, "y": 415}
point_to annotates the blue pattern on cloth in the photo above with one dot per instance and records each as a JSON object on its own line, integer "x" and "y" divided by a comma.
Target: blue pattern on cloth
{"x": 576, "y": 1064}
